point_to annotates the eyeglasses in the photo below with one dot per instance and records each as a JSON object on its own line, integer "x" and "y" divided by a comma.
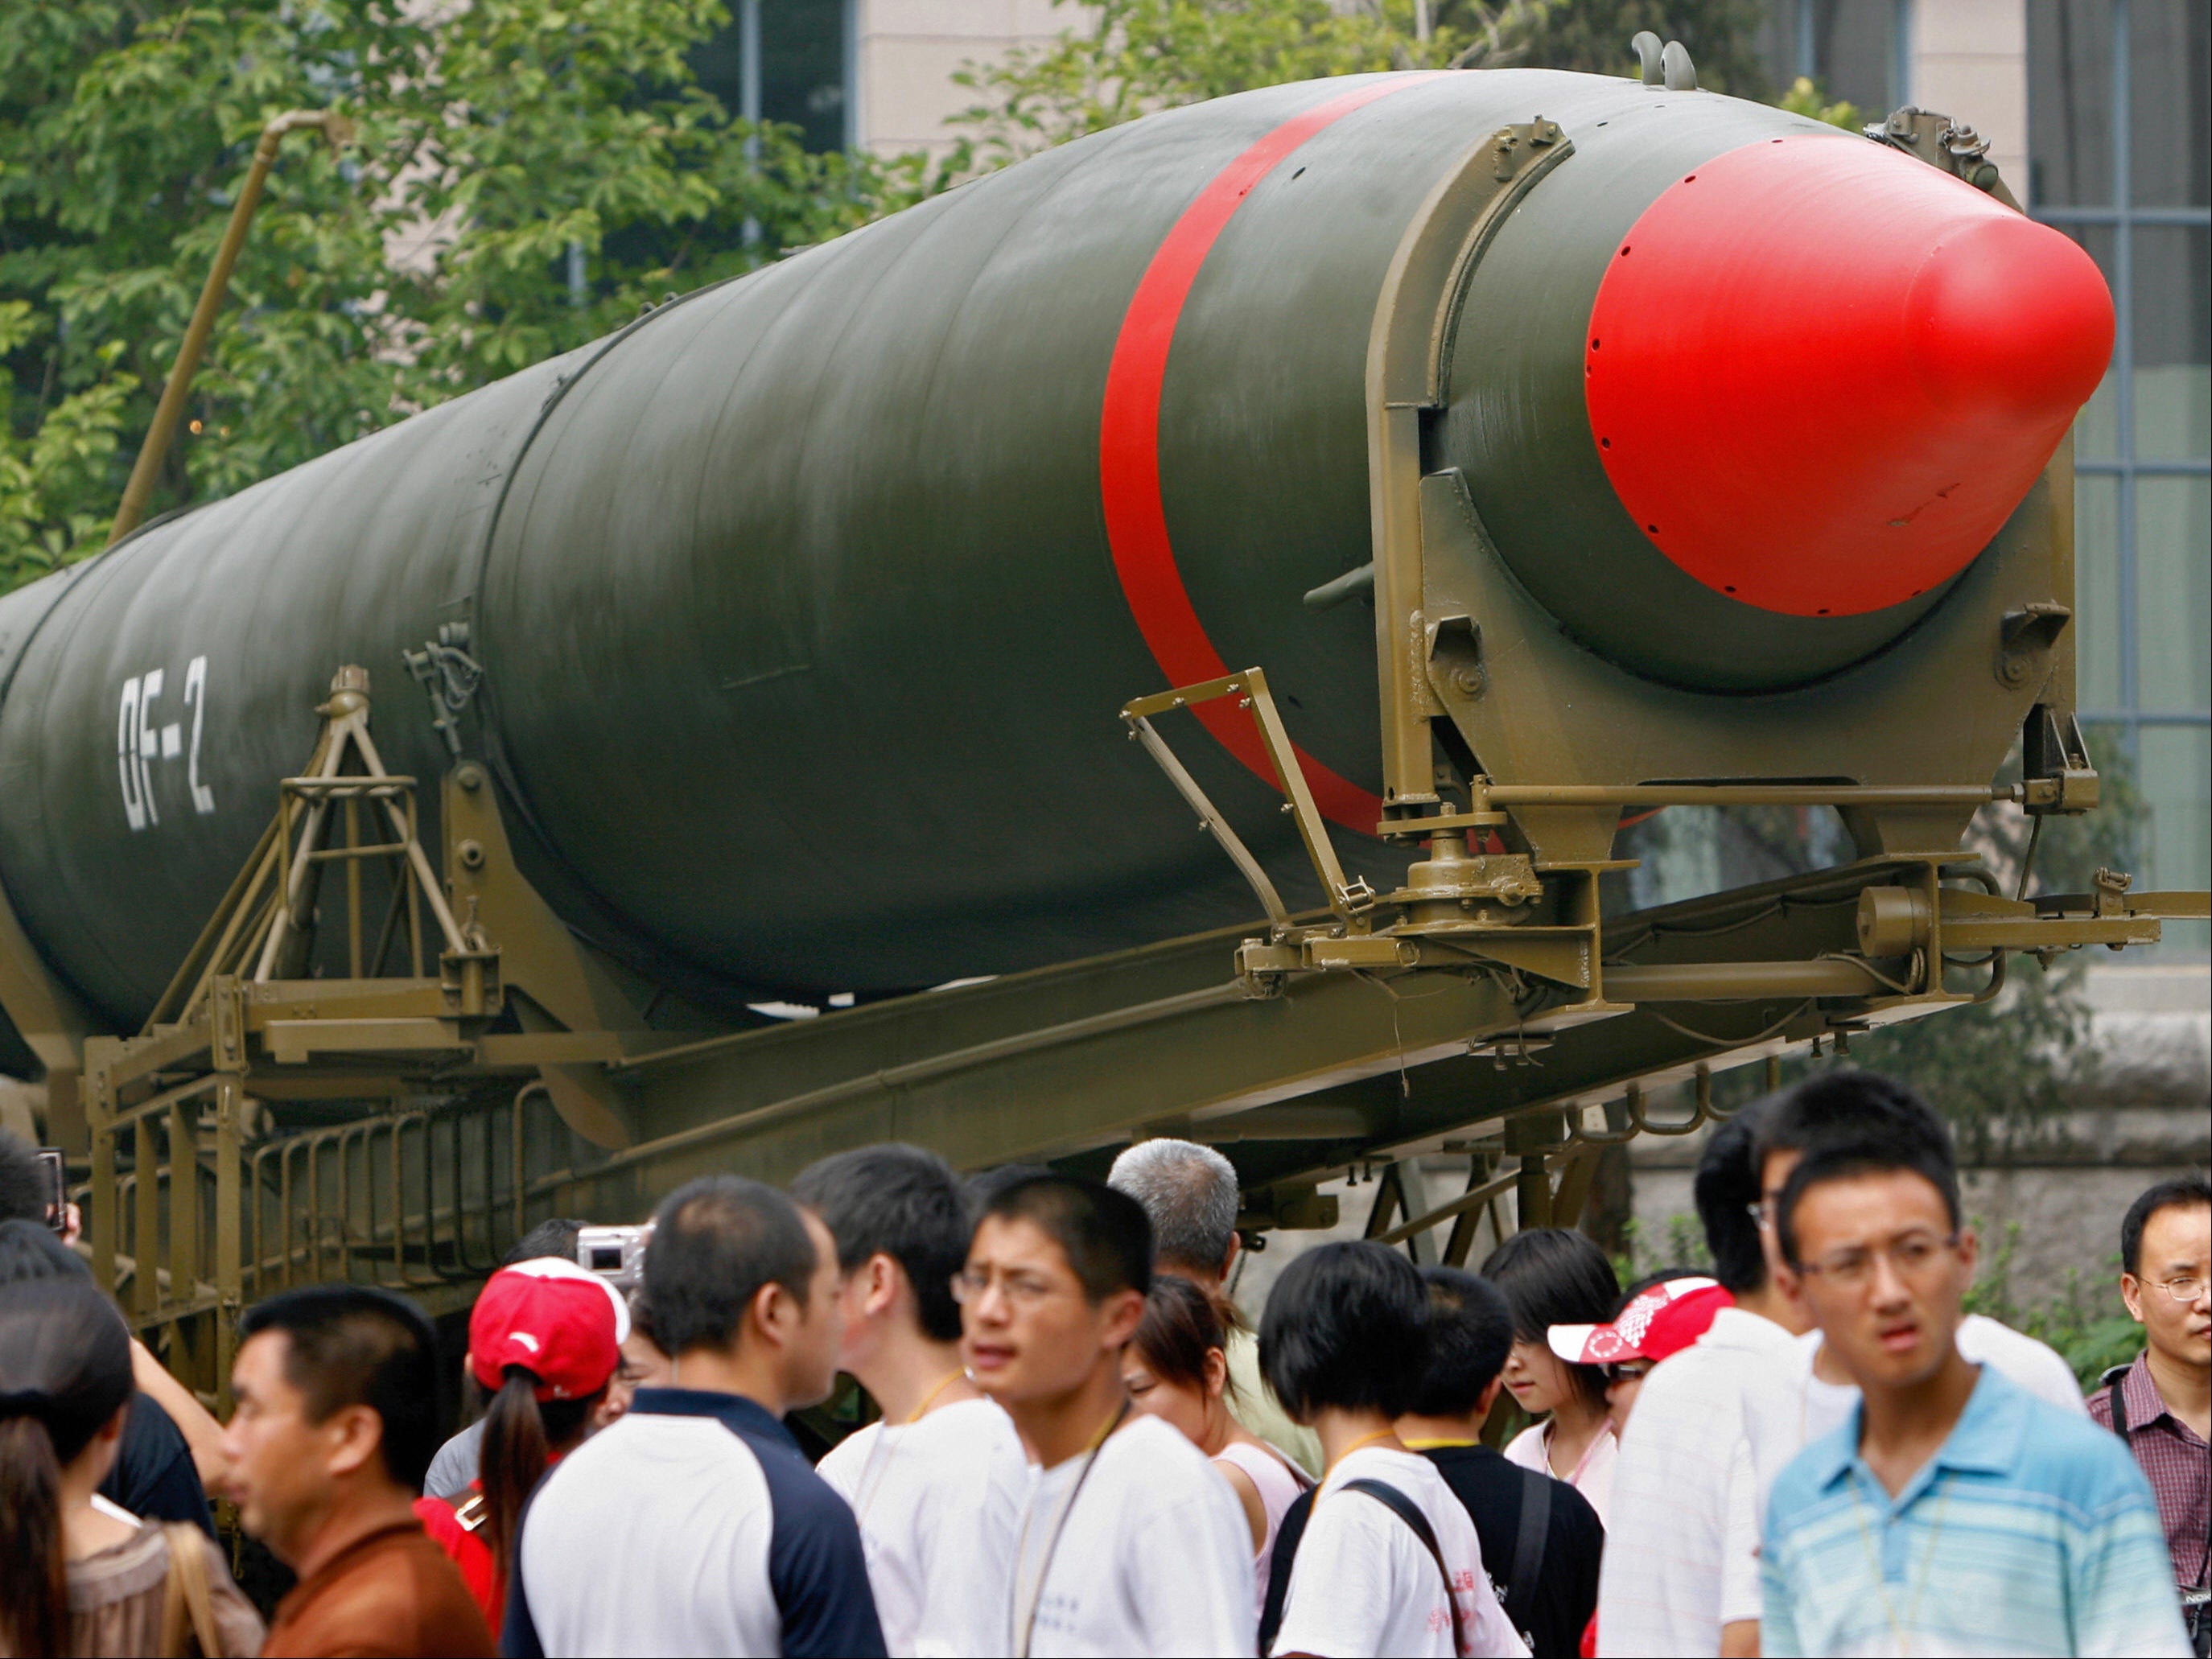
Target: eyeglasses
{"x": 2187, "y": 1289}
{"x": 1023, "y": 1290}
{"x": 1628, "y": 1370}
{"x": 1852, "y": 1267}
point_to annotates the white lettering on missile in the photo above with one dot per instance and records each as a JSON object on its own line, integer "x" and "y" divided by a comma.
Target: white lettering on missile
{"x": 126, "y": 754}
{"x": 139, "y": 742}
{"x": 195, "y": 695}
{"x": 149, "y": 689}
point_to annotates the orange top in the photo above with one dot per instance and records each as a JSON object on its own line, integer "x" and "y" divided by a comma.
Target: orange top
{"x": 392, "y": 1594}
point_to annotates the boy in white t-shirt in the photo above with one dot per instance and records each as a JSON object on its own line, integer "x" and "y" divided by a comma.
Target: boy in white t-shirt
{"x": 1390, "y": 1562}
{"x": 939, "y": 1483}
{"x": 1131, "y": 1542}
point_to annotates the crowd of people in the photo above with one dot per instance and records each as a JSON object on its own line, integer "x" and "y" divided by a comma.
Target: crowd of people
{"x": 1078, "y": 1445}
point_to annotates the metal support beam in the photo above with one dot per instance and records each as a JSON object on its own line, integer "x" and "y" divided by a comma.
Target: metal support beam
{"x": 1532, "y": 1140}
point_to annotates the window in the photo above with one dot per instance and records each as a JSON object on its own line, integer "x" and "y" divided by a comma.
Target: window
{"x": 2118, "y": 141}
{"x": 784, "y": 60}
{"x": 1856, "y": 49}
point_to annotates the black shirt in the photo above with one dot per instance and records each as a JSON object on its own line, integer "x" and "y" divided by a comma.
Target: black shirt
{"x": 1566, "y": 1587}
{"x": 154, "y": 1476}
{"x": 1490, "y": 1489}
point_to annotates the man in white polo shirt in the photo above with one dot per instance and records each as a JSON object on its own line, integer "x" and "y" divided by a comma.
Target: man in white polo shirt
{"x": 939, "y": 1484}
{"x": 1681, "y": 1574}
{"x": 694, "y": 1525}
{"x": 1133, "y": 1542}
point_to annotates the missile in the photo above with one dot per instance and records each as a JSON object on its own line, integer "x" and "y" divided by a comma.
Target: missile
{"x": 791, "y": 620}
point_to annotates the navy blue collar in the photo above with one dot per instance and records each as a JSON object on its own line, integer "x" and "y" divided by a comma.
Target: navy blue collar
{"x": 734, "y": 1411}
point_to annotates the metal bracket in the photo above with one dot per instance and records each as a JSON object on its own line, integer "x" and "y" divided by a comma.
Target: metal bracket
{"x": 2056, "y": 775}
{"x": 2026, "y": 636}
{"x": 1938, "y": 140}
{"x": 444, "y": 669}
{"x": 1353, "y": 900}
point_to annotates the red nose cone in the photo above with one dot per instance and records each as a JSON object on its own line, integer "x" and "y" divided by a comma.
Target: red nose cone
{"x": 1822, "y": 374}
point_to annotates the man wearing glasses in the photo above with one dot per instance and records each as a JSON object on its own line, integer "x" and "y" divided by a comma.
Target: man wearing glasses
{"x": 2161, "y": 1404}
{"x": 1954, "y": 1512}
{"x": 1133, "y": 1543}
{"x": 1853, "y": 1105}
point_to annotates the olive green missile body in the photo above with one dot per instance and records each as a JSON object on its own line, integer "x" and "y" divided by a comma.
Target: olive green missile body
{"x": 803, "y": 606}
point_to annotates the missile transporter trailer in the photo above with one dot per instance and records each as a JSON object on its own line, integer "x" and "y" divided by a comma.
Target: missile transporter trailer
{"x": 1430, "y": 469}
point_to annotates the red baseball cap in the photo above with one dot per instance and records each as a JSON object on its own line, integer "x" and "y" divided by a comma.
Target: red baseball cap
{"x": 1661, "y": 1321}
{"x": 563, "y": 1325}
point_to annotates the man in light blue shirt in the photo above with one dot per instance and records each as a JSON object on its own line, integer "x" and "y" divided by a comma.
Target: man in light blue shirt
{"x": 1955, "y": 1513}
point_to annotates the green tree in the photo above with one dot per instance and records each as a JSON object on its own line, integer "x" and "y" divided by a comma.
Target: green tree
{"x": 1131, "y": 56}
{"x": 428, "y": 258}
{"x": 1722, "y": 37}
{"x": 1806, "y": 97}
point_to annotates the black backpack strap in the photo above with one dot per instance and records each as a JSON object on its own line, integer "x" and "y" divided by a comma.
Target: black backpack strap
{"x": 1528, "y": 1548}
{"x": 2115, "y": 1398}
{"x": 1287, "y": 1534}
{"x": 1410, "y": 1512}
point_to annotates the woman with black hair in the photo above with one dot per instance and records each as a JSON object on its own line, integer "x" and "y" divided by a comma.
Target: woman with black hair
{"x": 1389, "y": 1561}
{"x": 1556, "y": 1276}
{"x": 1177, "y": 1369}
{"x": 545, "y": 1341}
{"x": 78, "y": 1575}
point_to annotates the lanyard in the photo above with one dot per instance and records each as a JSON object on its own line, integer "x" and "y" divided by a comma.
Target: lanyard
{"x": 1025, "y": 1622}
{"x": 1859, "y": 1507}
{"x": 872, "y": 1477}
{"x": 1363, "y": 1440}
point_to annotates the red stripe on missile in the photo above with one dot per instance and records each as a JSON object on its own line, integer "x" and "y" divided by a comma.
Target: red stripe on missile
{"x": 1129, "y": 453}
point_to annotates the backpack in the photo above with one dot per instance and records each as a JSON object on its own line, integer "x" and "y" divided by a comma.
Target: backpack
{"x": 1528, "y": 1554}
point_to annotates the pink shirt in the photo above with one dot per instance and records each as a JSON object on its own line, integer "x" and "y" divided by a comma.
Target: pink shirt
{"x": 1278, "y": 1487}
{"x": 1592, "y": 1477}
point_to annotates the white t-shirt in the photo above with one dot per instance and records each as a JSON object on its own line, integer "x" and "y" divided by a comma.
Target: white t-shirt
{"x": 939, "y": 1503}
{"x": 1592, "y": 1477}
{"x": 1152, "y": 1554}
{"x": 2035, "y": 1366}
{"x": 1362, "y": 1582}
{"x": 1681, "y": 1540}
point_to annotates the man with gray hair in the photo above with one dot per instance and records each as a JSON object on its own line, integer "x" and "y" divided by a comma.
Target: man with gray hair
{"x": 1189, "y": 1192}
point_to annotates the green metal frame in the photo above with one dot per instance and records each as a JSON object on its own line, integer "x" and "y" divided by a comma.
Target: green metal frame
{"x": 406, "y": 1129}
